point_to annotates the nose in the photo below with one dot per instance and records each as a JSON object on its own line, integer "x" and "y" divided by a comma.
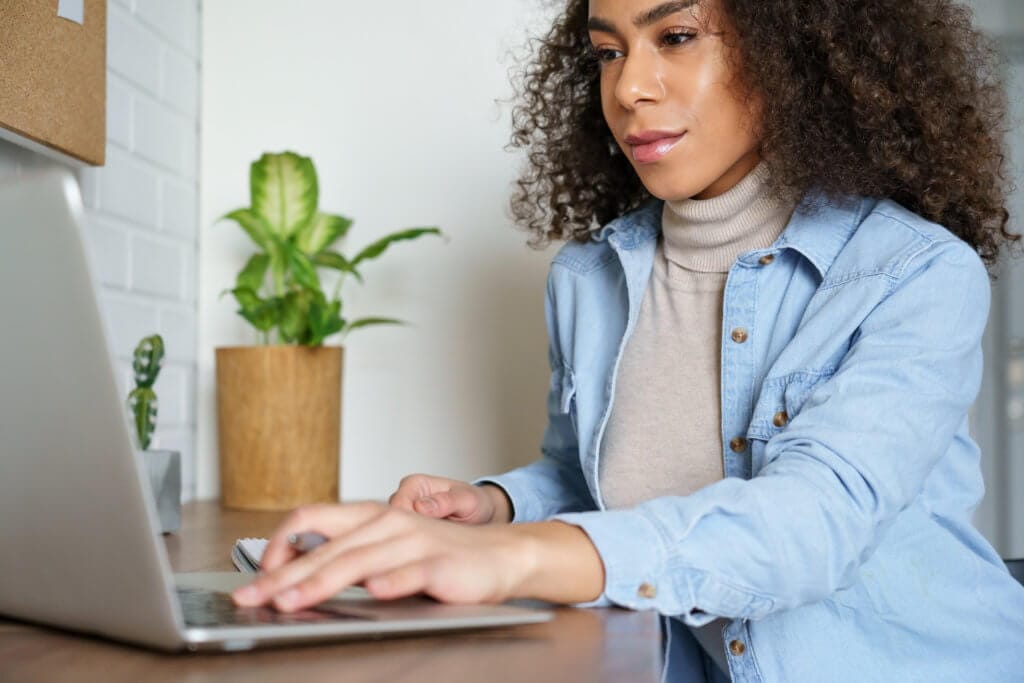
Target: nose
{"x": 639, "y": 79}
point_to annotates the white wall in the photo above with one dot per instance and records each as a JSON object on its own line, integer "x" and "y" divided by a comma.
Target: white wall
{"x": 1000, "y": 17}
{"x": 142, "y": 205}
{"x": 396, "y": 104}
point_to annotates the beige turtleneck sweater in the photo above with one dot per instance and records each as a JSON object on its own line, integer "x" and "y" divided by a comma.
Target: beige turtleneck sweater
{"x": 664, "y": 434}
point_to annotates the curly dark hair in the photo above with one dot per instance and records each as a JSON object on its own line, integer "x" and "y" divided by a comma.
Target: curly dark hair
{"x": 898, "y": 99}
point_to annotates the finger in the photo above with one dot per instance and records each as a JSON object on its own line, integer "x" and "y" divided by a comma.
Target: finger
{"x": 328, "y": 520}
{"x": 285, "y": 576}
{"x": 458, "y": 502}
{"x": 270, "y": 583}
{"x": 429, "y": 506}
{"x": 410, "y": 489}
{"x": 466, "y": 505}
{"x": 409, "y": 579}
{"x": 399, "y": 500}
{"x": 351, "y": 567}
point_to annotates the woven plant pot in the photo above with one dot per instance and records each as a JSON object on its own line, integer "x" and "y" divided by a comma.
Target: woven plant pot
{"x": 279, "y": 425}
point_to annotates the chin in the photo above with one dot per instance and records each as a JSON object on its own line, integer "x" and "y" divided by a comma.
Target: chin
{"x": 667, "y": 184}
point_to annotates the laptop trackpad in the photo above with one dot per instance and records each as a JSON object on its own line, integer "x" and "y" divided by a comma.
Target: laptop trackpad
{"x": 225, "y": 582}
{"x": 352, "y": 601}
{"x": 356, "y": 601}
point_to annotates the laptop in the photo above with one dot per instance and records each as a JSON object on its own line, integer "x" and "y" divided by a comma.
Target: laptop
{"x": 78, "y": 527}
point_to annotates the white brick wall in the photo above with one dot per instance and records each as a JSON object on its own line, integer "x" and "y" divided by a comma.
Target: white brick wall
{"x": 142, "y": 206}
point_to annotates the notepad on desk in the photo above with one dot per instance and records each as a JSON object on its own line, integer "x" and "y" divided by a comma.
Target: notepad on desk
{"x": 247, "y": 553}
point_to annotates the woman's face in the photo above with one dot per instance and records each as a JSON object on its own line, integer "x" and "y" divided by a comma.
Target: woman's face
{"x": 670, "y": 98}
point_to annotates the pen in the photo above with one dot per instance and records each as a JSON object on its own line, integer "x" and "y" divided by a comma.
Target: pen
{"x": 306, "y": 541}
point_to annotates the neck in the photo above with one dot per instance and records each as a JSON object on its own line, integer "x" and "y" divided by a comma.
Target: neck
{"x": 737, "y": 172}
{"x": 708, "y": 234}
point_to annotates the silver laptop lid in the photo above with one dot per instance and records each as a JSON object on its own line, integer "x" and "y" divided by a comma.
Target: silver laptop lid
{"x": 77, "y": 523}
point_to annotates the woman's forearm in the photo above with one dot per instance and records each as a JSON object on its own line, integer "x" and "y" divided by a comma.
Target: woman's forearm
{"x": 564, "y": 566}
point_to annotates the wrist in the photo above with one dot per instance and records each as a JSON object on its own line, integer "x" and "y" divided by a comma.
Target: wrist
{"x": 560, "y": 564}
{"x": 500, "y": 504}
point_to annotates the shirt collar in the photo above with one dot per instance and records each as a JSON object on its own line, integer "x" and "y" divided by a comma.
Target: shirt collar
{"x": 818, "y": 229}
{"x": 633, "y": 228}
{"x": 821, "y": 226}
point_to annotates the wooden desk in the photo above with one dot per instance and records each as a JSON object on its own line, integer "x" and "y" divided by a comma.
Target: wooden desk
{"x": 611, "y": 645}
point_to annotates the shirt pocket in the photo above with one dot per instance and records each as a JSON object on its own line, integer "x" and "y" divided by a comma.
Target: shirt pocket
{"x": 781, "y": 399}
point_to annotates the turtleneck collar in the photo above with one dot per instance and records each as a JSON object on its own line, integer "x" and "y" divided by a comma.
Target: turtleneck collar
{"x": 707, "y": 235}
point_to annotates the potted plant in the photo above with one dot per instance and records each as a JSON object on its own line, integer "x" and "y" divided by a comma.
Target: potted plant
{"x": 279, "y": 403}
{"x": 162, "y": 466}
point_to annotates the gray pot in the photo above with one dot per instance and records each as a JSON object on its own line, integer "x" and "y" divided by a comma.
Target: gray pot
{"x": 164, "y": 470}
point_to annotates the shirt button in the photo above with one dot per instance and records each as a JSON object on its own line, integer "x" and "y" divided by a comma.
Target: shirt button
{"x": 780, "y": 419}
{"x": 766, "y": 259}
{"x": 739, "y": 335}
{"x": 736, "y": 647}
{"x": 646, "y": 590}
{"x": 738, "y": 445}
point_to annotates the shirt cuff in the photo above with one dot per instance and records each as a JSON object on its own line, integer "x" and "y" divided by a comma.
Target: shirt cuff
{"x": 512, "y": 501}
{"x": 637, "y": 573}
{"x": 526, "y": 507}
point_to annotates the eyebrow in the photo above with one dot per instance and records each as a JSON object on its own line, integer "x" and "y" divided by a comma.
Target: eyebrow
{"x": 645, "y": 18}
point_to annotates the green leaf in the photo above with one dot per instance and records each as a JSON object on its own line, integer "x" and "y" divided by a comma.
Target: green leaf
{"x": 254, "y": 226}
{"x": 255, "y": 270}
{"x": 261, "y": 314}
{"x": 378, "y": 247}
{"x": 294, "y": 321}
{"x": 278, "y": 263}
{"x": 143, "y": 404}
{"x": 284, "y": 191}
{"x": 147, "y": 360}
{"x": 332, "y": 259}
{"x": 324, "y": 320}
{"x": 303, "y": 270}
{"x": 334, "y": 325}
{"x": 247, "y": 298}
{"x": 321, "y": 232}
{"x": 366, "y": 322}
{"x": 265, "y": 316}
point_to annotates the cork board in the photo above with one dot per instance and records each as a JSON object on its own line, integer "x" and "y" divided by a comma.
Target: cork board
{"x": 53, "y": 76}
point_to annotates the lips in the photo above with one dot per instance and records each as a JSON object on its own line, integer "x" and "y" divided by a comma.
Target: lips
{"x": 652, "y": 145}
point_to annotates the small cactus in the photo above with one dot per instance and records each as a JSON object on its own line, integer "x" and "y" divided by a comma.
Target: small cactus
{"x": 149, "y": 357}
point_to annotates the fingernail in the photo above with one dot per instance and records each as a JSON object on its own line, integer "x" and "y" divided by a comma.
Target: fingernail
{"x": 428, "y": 503}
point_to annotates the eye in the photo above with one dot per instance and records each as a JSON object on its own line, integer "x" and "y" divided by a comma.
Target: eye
{"x": 604, "y": 54}
{"x": 677, "y": 37}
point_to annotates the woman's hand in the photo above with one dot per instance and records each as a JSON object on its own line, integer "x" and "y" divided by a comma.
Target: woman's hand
{"x": 451, "y": 499}
{"x": 395, "y": 553}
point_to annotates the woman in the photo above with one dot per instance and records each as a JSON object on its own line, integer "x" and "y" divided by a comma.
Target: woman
{"x": 761, "y": 364}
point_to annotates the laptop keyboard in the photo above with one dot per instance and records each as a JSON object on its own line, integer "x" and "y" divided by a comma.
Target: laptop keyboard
{"x": 204, "y": 608}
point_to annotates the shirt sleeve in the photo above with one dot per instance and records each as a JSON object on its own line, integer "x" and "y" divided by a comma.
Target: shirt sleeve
{"x": 554, "y": 483}
{"x": 854, "y": 456}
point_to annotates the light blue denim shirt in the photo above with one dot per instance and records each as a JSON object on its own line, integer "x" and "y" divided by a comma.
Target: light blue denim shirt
{"x": 839, "y": 544}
